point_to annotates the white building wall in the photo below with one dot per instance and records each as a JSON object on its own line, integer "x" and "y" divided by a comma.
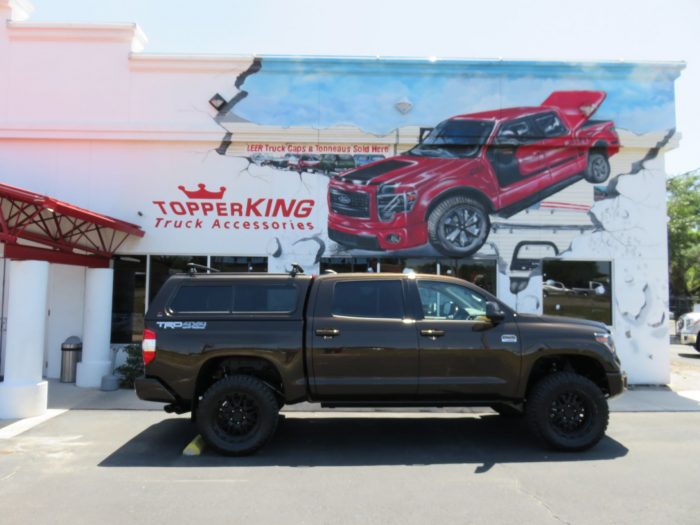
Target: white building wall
{"x": 65, "y": 312}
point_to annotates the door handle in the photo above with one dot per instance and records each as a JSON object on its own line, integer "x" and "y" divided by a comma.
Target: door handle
{"x": 327, "y": 333}
{"x": 432, "y": 333}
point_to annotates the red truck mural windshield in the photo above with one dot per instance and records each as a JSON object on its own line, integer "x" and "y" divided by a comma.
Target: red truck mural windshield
{"x": 469, "y": 167}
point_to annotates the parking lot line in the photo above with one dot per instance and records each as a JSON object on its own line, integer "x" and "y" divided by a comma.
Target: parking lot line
{"x": 17, "y": 428}
{"x": 194, "y": 447}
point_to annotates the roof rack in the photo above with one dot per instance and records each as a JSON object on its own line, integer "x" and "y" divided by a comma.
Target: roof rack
{"x": 193, "y": 268}
{"x": 296, "y": 269}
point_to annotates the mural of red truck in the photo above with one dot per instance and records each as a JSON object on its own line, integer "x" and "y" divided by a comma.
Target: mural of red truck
{"x": 469, "y": 167}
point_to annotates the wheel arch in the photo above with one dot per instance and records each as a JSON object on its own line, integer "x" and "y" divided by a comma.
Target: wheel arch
{"x": 583, "y": 365}
{"x": 219, "y": 367}
{"x": 472, "y": 193}
{"x": 601, "y": 146}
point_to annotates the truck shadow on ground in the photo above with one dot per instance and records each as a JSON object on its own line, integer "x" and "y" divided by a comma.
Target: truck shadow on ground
{"x": 355, "y": 441}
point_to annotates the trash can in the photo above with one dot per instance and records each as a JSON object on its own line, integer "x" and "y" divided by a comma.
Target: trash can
{"x": 71, "y": 351}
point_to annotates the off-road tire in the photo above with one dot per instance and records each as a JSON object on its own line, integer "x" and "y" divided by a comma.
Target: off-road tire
{"x": 597, "y": 167}
{"x": 442, "y": 226}
{"x": 237, "y": 415}
{"x": 568, "y": 411}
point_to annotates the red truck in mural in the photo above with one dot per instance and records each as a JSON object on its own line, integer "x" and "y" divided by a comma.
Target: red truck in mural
{"x": 470, "y": 166}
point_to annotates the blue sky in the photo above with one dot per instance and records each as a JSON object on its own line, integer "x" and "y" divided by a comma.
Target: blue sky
{"x": 324, "y": 93}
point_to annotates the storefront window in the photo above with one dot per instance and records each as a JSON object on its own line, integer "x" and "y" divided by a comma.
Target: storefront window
{"x": 239, "y": 264}
{"x": 163, "y": 266}
{"x": 349, "y": 264}
{"x": 417, "y": 264}
{"x": 479, "y": 272}
{"x": 128, "y": 299}
{"x": 577, "y": 289}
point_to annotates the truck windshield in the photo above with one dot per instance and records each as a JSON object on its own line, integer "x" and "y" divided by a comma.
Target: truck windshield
{"x": 455, "y": 138}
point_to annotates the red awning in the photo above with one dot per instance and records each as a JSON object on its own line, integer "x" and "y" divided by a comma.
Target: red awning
{"x": 35, "y": 226}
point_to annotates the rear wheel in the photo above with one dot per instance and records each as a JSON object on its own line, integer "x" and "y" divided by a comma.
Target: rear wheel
{"x": 458, "y": 226}
{"x": 237, "y": 415}
{"x": 567, "y": 411}
{"x": 598, "y": 167}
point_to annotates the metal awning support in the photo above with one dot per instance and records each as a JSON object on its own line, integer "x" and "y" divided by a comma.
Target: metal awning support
{"x": 34, "y": 226}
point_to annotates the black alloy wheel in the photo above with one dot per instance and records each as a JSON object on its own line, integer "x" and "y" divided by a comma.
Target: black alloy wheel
{"x": 237, "y": 415}
{"x": 568, "y": 411}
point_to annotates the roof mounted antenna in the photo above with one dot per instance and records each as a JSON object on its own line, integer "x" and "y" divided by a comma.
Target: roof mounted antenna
{"x": 193, "y": 268}
{"x": 296, "y": 269}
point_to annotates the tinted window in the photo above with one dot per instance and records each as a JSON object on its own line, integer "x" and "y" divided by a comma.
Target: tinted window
{"x": 550, "y": 125}
{"x": 450, "y": 301}
{"x": 264, "y": 297}
{"x": 382, "y": 299}
{"x": 201, "y": 298}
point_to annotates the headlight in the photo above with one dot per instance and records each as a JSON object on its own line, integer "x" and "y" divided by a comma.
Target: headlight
{"x": 605, "y": 338}
{"x": 392, "y": 199}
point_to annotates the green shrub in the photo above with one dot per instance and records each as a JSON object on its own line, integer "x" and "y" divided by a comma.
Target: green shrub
{"x": 132, "y": 368}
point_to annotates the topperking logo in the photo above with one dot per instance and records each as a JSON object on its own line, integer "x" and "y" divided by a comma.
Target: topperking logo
{"x": 205, "y": 209}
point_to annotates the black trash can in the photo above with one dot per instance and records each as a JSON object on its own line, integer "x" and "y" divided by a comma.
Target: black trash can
{"x": 71, "y": 352}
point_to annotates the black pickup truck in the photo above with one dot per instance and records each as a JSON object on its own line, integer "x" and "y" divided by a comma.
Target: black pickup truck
{"x": 234, "y": 348}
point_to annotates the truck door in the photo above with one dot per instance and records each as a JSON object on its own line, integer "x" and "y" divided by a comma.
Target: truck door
{"x": 462, "y": 353}
{"x": 363, "y": 344}
{"x": 518, "y": 160}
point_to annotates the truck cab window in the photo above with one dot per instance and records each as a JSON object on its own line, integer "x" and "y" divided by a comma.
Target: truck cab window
{"x": 446, "y": 301}
{"x": 374, "y": 299}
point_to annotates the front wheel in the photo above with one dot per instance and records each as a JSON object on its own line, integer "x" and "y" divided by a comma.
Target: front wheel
{"x": 597, "y": 168}
{"x": 458, "y": 226}
{"x": 237, "y": 415}
{"x": 568, "y": 411}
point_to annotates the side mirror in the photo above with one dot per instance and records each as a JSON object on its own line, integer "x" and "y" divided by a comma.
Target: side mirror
{"x": 494, "y": 312}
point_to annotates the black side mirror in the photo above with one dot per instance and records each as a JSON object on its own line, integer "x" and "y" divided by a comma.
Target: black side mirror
{"x": 494, "y": 312}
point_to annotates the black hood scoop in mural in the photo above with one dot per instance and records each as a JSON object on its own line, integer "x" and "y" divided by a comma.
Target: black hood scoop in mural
{"x": 375, "y": 170}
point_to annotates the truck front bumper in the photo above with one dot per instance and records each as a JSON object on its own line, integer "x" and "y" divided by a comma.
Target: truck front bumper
{"x": 617, "y": 383}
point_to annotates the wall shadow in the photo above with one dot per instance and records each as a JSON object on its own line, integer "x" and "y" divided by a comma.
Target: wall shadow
{"x": 356, "y": 441}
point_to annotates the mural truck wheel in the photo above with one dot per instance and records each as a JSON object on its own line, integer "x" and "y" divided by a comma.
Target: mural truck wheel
{"x": 598, "y": 167}
{"x": 458, "y": 226}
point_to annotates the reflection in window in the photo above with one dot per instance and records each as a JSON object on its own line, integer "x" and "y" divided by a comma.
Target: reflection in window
{"x": 239, "y": 264}
{"x": 128, "y": 299}
{"x": 446, "y": 301}
{"x": 163, "y": 266}
{"x": 481, "y": 272}
{"x": 577, "y": 289}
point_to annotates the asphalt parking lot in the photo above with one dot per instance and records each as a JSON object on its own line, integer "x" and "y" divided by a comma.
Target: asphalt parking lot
{"x": 119, "y": 461}
{"x": 110, "y": 466}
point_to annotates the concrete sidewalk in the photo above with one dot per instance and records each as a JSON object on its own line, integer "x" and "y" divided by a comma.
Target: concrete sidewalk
{"x": 636, "y": 399}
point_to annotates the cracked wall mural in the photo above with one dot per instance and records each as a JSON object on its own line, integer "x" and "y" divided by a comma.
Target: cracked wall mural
{"x": 517, "y": 162}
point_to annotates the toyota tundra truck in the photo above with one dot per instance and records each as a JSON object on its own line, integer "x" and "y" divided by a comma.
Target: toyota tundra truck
{"x": 469, "y": 167}
{"x": 233, "y": 349}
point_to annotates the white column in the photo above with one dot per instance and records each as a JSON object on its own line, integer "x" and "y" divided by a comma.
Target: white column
{"x": 23, "y": 393}
{"x": 97, "y": 321}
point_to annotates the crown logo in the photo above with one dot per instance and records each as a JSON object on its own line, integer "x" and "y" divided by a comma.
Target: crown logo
{"x": 202, "y": 192}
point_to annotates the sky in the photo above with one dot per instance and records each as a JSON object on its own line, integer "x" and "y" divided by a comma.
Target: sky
{"x": 595, "y": 30}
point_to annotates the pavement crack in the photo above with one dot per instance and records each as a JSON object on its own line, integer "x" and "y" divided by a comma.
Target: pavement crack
{"x": 534, "y": 497}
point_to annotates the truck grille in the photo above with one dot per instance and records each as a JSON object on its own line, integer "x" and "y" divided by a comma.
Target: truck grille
{"x": 352, "y": 204}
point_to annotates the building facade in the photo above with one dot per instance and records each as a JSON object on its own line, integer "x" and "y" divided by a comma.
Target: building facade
{"x": 543, "y": 182}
